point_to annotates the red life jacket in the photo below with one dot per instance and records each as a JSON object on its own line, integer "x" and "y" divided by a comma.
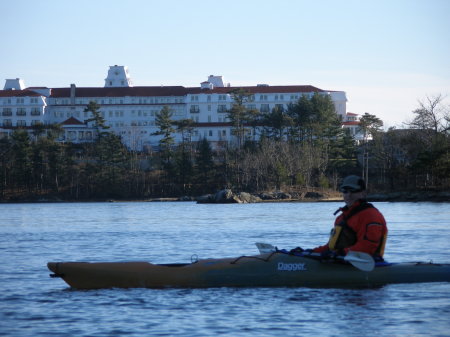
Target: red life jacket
{"x": 359, "y": 228}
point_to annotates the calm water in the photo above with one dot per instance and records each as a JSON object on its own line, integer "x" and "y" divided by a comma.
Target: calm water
{"x": 32, "y": 304}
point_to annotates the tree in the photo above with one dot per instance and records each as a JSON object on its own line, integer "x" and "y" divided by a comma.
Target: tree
{"x": 111, "y": 163}
{"x": 432, "y": 114}
{"x": 185, "y": 127}
{"x": 432, "y": 143}
{"x": 204, "y": 166}
{"x": 370, "y": 125}
{"x": 6, "y": 155}
{"x": 164, "y": 121}
{"x": 276, "y": 122}
{"x": 239, "y": 115}
{"x": 313, "y": 118}
{"x": 184, "y": 167}
{"x": 21, "y": 147}
{"x": 97, "y": 118}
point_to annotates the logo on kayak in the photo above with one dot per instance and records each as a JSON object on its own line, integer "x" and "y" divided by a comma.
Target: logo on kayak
{"x": 291, "y": 266}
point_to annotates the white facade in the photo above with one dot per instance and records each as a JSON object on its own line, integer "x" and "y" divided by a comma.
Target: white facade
{"x": 130, "y": 111}
{"x": 118, "y": 76}
{"x": 14, "y": 84}
{"x": 351, "y": 123}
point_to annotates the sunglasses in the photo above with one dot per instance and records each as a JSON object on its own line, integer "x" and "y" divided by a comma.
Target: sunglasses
{"x": 349, "y": 190}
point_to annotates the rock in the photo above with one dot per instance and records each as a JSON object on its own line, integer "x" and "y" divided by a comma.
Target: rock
{"x": 227, "y": 196}
{"x": 205, "y": 199}
{"x": 248, "y": 198}
{"x": 266, "y": 196}
{"x": 313, "y": 195}
{"x": 283, "y": 195}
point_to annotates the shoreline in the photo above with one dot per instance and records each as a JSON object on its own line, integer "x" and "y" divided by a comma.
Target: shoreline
{"x": 403, "y": 196}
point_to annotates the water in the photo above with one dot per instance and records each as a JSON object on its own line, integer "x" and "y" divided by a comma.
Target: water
{"x": 32, "y": 304}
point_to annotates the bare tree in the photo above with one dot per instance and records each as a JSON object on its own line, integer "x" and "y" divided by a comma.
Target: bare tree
{"x": 432, "y": 114}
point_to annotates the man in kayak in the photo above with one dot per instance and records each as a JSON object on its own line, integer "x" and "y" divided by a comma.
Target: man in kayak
{"x": 360, "y": 226}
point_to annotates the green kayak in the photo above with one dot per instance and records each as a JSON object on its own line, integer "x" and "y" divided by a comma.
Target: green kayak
{"x": 273, "y": 269}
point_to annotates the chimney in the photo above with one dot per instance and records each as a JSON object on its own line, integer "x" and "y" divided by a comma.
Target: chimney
{"x": 72, "y": 94}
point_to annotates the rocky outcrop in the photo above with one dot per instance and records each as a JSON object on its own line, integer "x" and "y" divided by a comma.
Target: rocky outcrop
{"x": 227, "y": 196}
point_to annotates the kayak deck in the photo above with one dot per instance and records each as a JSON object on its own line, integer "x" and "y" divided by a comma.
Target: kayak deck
{"x": 266, "y": 270}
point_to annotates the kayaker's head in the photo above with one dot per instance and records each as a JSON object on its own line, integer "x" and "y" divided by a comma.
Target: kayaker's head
{"x": 353, "y": 188}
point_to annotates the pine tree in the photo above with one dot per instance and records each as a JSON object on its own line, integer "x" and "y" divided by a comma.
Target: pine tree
{"x": 165, "y": 123}
{"x": 97, "y": 118}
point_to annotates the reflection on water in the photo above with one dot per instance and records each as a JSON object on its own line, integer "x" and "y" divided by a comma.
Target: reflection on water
{"x": 32, "y": 304}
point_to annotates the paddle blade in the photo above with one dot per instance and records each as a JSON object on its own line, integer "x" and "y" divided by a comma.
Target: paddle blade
{"x": 360, "y": 260}
{"x": 265, "y": 248}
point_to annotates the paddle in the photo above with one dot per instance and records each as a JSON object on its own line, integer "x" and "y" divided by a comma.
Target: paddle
{"x": 265, "y": 248}
{"x": 360, "y": 260}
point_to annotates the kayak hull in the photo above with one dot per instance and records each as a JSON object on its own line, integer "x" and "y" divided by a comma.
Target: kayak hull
{"x": 266, "y": 270}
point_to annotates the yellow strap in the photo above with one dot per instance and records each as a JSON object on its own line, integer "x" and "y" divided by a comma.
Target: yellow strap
{"x": 334, "y": 236}
{"x": 382, "y": 246}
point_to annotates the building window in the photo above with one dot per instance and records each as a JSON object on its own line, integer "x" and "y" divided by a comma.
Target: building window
{"x": 195, "y": 109}
{"x": 264, "y": 108}
{"x": 71, "y": 135}
{"x": 35, "y": 111}
{"x": 21, "y": 112}
{"x": 7, "y": 112}
{"x": 7, "y": 122}
{"x": 222, "y": 97}
{"x": 263, "y": 97}
{"x": 21, "y": 123}
{"x": 222, "y": 108}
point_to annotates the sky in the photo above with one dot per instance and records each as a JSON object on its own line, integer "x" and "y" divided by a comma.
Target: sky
{"x": 387, "y": 55}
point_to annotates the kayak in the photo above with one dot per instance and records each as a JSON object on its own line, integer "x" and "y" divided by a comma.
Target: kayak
{"x": 272, "y": 269}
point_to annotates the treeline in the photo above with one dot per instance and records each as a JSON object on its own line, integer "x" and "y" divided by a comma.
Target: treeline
{"x": 299, "y": 148}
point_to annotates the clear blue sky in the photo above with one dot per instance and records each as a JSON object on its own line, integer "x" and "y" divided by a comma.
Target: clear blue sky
{"x": 386, "y": 54}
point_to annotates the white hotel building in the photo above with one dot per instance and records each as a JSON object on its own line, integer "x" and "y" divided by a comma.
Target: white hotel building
{"x": 130, "y": 111}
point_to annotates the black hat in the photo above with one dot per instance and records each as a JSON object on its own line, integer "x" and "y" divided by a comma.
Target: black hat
{"x": 353, "y": 183}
